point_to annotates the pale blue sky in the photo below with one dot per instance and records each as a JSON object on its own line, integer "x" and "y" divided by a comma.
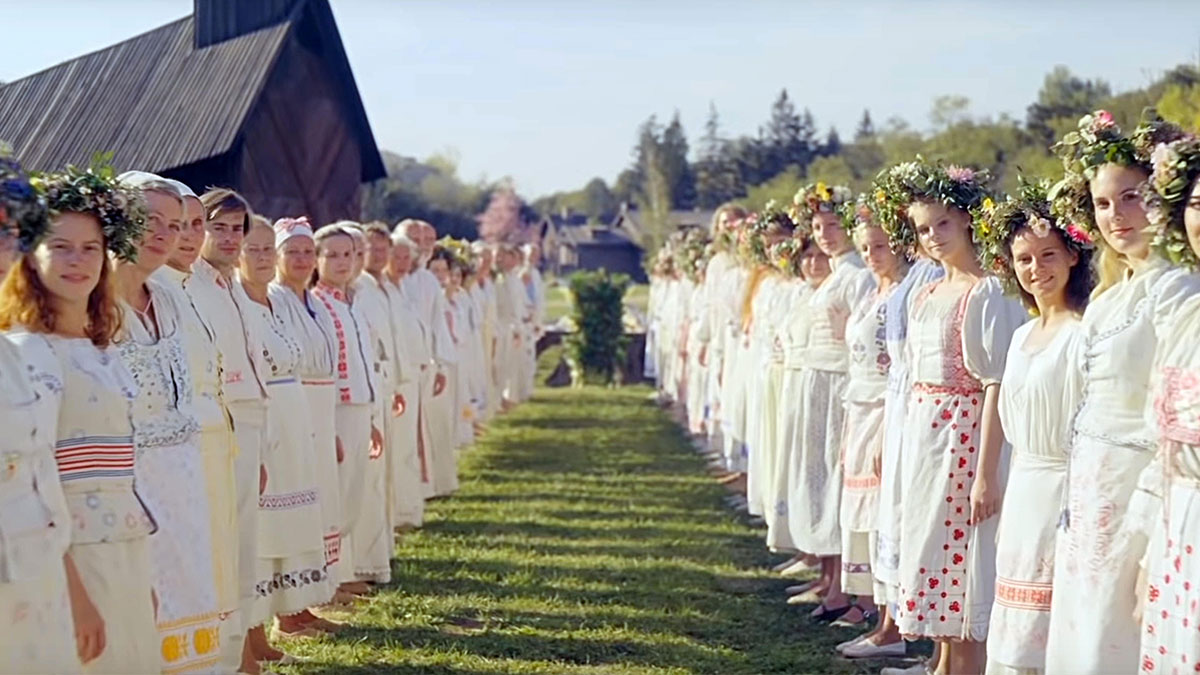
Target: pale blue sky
{"x": 551, "y": 92}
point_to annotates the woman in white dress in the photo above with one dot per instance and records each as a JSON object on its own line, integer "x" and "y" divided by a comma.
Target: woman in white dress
{"x": 61, "y": 299}
{"x": 218, "y": 444}
{"x": 290, "y": 573}
{"x": 863, "y": 450}
{"x": 309, "y": 323}
{"x": 170, "y": 468}
{"x": 1170, "y": 487}
{"x": 358, "y": 438}
{"x": 36, "y": 631}
{"x": 1050, "y": 267}
{"x": 1112, "y": 438}
{"x": 959, "y": 332}
{"x": 756, "y": 347}
{"x": 445, "y": 470}
{"x": 814, "y": 518}
{"x": 810, "y": 264}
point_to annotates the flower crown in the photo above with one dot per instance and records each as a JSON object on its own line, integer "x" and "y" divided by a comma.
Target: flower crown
{"x": 817, "y": 198}
{"x": 785, "y": 256}
{"x": 97, "y": 192}
{"x": 1098, "y": 141}
{"x": 1176, "y": 168}
{"x": 994, "y": 224}
{"x": 691, "y": 254}
{"x": 858, "y": 213}
{"x": 20, "y": 204}
{"x": 901, "y": 185}
{"x": 459, "y": 250}
{"x": 758, "y": 224}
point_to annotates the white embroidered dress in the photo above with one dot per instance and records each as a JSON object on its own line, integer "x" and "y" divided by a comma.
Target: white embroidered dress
{"x": 815, "y": 504}
{"x": 309, "y": 323}
{"x": 1171, "y": 487}
{"x": 1112, "y": 443}
{"x": 170, "y": 473}
{"x": 957, "y": 343}
{"x": 1035, "y": 410}
{"x": 290, "y": 573}
{"x": 36, "y": 629}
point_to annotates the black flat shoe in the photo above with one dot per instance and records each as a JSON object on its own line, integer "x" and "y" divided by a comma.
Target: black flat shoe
{"x": 827, "y": 615}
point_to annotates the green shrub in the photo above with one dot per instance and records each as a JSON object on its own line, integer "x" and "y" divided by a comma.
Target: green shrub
{"x": 597, "y": 349}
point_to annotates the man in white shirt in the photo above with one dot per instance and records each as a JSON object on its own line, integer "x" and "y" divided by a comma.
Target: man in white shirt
{"x": 227, "y": 219}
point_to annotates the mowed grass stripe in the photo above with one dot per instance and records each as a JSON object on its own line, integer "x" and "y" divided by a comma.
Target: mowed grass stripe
{"x": 585, "y": 538}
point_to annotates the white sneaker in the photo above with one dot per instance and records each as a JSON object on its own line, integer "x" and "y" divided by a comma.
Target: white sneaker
{"x": 921, "y": 668}
{"x": 866, "y": 649}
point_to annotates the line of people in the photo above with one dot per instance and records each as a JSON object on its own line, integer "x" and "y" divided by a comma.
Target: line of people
{"x": 978, "y": 419}
{"x": 215, "y": 423}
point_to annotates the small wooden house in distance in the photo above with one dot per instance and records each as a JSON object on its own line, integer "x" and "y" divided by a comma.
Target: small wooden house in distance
{"x": 256, "y": 95}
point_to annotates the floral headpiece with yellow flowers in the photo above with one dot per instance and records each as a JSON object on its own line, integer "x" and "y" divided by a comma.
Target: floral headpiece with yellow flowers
{"x": 1097, "y": 141}
{"x": 97, "y": 192}
{"x": 899, "y": 186}
{"x": 21, "y": 207}
{"x": 1167, "y": 193}
{"x": 817, "y": 198}
{"x": 459, "y": 250}
{"x": 772, "y": 217}
{"x": 785, "y": 256}
{"x": 993, "y": 226}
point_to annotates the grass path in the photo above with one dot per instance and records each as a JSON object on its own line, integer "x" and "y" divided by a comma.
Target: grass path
{"x": 585, "y": 538}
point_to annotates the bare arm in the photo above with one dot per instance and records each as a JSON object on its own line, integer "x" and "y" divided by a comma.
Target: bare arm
{"x": 986, "y": 491}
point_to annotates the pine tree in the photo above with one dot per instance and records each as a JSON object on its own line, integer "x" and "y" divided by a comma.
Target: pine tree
{"x": 866, "y": 128}
{"x": 678, "y": 172}
{"x": 832, "y": 144}
{"x": 717, "y": 176}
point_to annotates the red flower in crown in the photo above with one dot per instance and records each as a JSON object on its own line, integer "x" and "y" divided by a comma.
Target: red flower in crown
{"x": 1078, "y": 235}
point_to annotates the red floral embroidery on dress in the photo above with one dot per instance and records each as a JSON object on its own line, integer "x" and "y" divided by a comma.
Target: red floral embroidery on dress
{"x": 323, "y": 293}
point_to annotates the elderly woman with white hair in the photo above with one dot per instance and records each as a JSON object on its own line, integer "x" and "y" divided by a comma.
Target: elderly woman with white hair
{"x": 408, "y": 478}
{"x": 169, "y": 471}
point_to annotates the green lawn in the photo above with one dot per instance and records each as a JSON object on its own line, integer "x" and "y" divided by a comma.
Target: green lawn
{"x": 586, "y": 538}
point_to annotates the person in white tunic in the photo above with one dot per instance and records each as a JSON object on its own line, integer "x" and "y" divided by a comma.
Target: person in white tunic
{"x": 402, "y": 480}
{"x": 486, "y": 284}
{"x": 809, "y": 263}
{"x": 1112, "y": 441}
{"x": 218, "y": 445}
{"x": 733, "y": 390}
{"x": 227, "y": 217}
{"x": 954, "y": 449}
{"x": 37, "y": 634}
{"x": 485, "y": 321}
{"x": 306, "y": 320}
{"x": 436, "y": 407}
{"x": 64, "y": 335}
{"x": 712, "y": 355}
{"x": 375, "y": 539}
{"x": 441, "y": 265}
{"x": 816, "y": 502}
{"x": 535, "y": 288}
{"x": 864, "y": 400}
{"x": 358, "y": 435}
{"x": 411, "y": 481}
{"x": 170, "y": 469}
{"x": 290, "y": 575}
{"x": 1170, "y": 487}
{"x": 518, "y": 321}
{"x": 1050, "y": 268}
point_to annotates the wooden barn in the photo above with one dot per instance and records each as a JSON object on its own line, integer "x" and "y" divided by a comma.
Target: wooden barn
{"x": 251, "y": 94}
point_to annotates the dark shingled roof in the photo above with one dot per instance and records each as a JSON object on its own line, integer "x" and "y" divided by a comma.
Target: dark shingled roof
{"x": 158, "y": 102}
